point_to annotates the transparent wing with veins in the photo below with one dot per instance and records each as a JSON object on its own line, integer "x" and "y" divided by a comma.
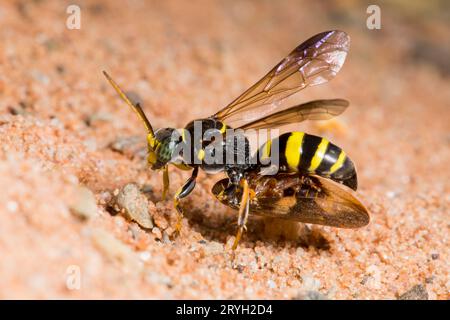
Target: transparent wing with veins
{"x": 315, "y": 61}
{"x": 312, "y": 110}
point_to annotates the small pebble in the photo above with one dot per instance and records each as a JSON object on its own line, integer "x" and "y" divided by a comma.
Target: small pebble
{"x": 157, "y": 232}
{"x": 271, "y": 284}
{"x": 160, "y": 220}
{"x": 135, "y": 205}
{"x": 39, "y": 76}
{"x": 169, "y": 231}
{"x": 429, "y": 280}
{"x": 213, "y": 248}
{"x": 98, "y": 117}
{"x": 418, "y": 292}
{"x": 391, "y": 194}
{"x": 153, "y": 278}
{"x": 84, "y": 205}
{"x": 240, "y": 268}
{"x": 310, "y": 283}
{"x": 115, "y": 249}
{"x": 12, "y": 206}
{"x": 105, "y": 197}
{"x": 134, "y": 230}
{"x": 311, "y": 295}
{"x": 145, "y": 256}
{"x": 165, "y": 238}
{"x": 128, "y": 145}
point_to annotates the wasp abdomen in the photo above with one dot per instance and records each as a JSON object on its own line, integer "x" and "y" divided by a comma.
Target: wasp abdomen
{"x": 302, "y": 152}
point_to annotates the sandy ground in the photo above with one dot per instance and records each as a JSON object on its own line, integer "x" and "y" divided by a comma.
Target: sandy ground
{"x": 64, "y": 151}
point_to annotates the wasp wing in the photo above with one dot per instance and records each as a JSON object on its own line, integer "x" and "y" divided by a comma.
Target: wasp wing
{"x": 315, "y": 61}
{"x": 313, "y": 110}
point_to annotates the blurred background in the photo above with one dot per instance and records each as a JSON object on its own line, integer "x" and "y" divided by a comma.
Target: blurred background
{"x": 61, "y": 125}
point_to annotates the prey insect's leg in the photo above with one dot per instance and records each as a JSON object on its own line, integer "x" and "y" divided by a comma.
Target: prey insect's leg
{"x": 243, "y": 213}
{"x": 184, "y": 191}
{"x": 166, "y": 182}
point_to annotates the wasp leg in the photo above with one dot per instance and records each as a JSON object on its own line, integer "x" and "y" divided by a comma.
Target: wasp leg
{"x": 166, "y": 182}
{"x": 243, "y": 213}
{"x": 183, "y": 192}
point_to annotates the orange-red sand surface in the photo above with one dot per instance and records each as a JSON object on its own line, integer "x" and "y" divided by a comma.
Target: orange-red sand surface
{"x": 69, "y": 145}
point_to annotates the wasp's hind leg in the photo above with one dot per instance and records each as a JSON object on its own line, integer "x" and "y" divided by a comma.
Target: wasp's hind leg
{"x": 183, "y": 192}
{"x": 243, "y": 213}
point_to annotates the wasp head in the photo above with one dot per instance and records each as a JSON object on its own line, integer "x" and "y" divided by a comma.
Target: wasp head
{"x": 161, "y": 146}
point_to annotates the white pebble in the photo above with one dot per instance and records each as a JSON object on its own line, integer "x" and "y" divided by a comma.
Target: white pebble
{"x": 391, "y": 194}
{"x": 271, "y": 284}
{"x": 12, "y": 206}
{"x": 144, "y": 256}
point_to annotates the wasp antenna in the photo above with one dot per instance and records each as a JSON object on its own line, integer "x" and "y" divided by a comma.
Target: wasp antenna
{"x": 136, "y": 107}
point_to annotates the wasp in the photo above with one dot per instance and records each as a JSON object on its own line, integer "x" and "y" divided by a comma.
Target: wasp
{"x": 314, "y": 179}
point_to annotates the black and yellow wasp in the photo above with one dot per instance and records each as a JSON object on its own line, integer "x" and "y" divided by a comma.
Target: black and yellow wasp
{"x": 310, "y": 171}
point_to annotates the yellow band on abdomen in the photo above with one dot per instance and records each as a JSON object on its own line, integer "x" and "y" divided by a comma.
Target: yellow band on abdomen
{"x": 318, "y": 155}
{"x": 338, "y": 164}
{"x": 266, "y": 150}
{"x": 293, "y": 150}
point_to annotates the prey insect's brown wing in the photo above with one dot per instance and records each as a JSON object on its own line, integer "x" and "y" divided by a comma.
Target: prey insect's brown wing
{"x": 315, "y": 61}
{"x": 313, "y": 110}
{"x": 286, "y": 196}
{"x": 326, "y": 203}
